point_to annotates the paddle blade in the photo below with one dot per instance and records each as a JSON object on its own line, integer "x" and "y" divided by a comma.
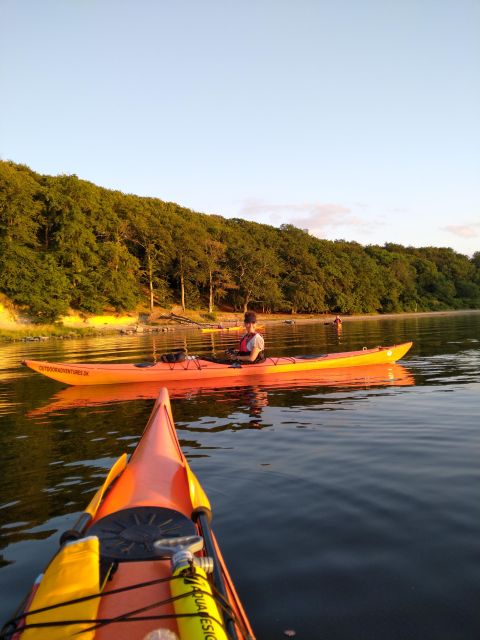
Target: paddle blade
{"x": 115, "y": 471}
{"x": 198, "y": 496}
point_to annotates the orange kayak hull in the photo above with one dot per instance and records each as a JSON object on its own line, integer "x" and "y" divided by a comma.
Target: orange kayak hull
{"x": 199, "y": 370}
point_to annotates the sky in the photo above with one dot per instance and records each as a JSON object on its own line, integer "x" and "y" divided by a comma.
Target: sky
{"x": 355, "y": 119}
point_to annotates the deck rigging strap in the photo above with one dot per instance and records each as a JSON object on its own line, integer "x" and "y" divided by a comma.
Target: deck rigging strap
{"x": 7, "y": 633}
{"x": 275, "y": 361}
{"x": 65, "y": 603}
{"x": 129, "y": 616}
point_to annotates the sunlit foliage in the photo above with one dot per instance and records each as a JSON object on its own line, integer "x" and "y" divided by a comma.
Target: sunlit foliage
{"x": 67, "y": 243}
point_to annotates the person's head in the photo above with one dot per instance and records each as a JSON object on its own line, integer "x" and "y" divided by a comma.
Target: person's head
{"x": 250, "y": 319}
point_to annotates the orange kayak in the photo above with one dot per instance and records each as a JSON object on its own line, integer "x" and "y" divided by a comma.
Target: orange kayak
{"x": 142, "y": 557}
{"x": 196, "y": 369}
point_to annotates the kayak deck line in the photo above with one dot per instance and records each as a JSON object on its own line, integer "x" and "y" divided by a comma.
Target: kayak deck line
{"x": 194, "y": 368}
{"x": 142, "y": 561}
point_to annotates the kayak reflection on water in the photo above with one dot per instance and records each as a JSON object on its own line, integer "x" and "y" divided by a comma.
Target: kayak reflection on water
{"x": 98, "y": 395}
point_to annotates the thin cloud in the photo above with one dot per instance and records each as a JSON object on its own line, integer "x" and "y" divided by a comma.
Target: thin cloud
{"x": 463, "y": 231}
{"x": 321, "y": 217}
{"x": 313, "y": 216}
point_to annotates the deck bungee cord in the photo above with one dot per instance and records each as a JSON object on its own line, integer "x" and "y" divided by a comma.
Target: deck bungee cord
{"x": 190, "y": 575}
{"x": 10, "y": 627}
{"x": 31, "y": 612}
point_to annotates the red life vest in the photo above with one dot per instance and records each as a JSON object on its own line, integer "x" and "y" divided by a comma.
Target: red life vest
{"x": 243, "y": 343}
{"x": 243, "y": 350}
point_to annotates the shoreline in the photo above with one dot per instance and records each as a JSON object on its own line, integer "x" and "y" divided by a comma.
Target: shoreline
{"x": 379, "y": 316}
{"x": 31, "y": 332}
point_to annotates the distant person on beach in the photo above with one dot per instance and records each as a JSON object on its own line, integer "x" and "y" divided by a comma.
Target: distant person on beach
{"x": 251, "y": 349}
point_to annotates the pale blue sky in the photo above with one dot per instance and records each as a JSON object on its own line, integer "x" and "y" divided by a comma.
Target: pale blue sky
{"x": 357, "y": 119}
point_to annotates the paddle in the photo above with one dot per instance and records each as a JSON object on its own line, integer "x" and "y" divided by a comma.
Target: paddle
{"x": 87, "y": 516}
{"x": 198, "y": 497}
{"x": 202, "y": 511}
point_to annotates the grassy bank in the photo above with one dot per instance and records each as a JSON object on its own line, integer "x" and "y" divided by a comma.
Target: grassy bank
{"x": 44, "y": 332}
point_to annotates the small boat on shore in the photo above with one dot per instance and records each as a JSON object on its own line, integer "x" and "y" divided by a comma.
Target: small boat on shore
{"x": 220, "y": 329}
{"x": 197, "y": 369}
{"x": 142, "y": 561}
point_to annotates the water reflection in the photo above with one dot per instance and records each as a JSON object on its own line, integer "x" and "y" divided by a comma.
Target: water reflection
{"x": 370, "y": 477}
{"x": 54, "y": 461}
{"x": 256, "y": 399}
{"x": 355, "y": 377}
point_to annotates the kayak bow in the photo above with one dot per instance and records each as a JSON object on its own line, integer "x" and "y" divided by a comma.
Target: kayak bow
{"x": 144, "y": 559}
{"x": 196, "y": 369}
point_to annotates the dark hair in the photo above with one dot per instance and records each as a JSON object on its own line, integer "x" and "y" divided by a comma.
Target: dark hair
{"x": 250, "y": 316}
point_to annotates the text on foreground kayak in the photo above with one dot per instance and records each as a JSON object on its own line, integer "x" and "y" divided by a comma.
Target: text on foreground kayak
{"x": 198, "y": 369}
{"x": 142, "y": 557}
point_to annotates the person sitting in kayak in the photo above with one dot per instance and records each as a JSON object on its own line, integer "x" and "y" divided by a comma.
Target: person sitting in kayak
{"x": 252, "y": 346}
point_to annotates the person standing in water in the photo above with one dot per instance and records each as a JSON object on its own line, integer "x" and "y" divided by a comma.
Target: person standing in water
{"x": 338, "y": 321}
{"x": 251, "y": 349}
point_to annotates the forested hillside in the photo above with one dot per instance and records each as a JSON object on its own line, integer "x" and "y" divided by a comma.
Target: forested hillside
{"x": 65, "y": 242}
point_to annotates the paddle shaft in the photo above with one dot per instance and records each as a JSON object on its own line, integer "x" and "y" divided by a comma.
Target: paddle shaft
{"x": 203, "y": 518}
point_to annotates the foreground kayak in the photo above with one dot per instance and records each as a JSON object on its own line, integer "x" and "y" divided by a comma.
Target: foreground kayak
{"x": 198, "y": 369}
{"x": 142, "y": 557}
{"x": 378, "y": 375}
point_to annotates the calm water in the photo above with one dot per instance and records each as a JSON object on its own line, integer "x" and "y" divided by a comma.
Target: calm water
{"x": 345, "y": 511}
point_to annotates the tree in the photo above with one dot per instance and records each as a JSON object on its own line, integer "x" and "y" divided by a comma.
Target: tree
{"x": 67, "y": 241}
{"x": 255, "y": 273}
{"x": 301, "y": 278}
{"x": 187, "y": 251}
{"x": 150, "y": 240}
{"x": 213, "y": 256}
{"x": 34, "y": 281}
{"x": 20, "y": 207}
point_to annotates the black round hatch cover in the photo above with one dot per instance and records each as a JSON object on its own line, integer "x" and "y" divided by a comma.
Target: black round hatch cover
{"x": 129, "y": 534}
